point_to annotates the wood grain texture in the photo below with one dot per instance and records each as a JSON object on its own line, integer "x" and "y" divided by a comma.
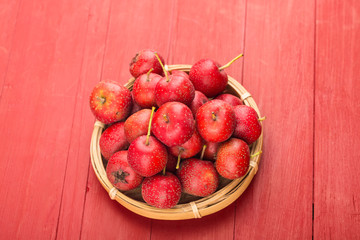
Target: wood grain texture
{"x": 78, "y": 165}
{"x": 43, "y": 70}
{"x": 337, "y": 189}
{"x": 8, "y": 17}
{"x": 208, "y": 29}
{"x": 133, "y": 27}
{"x": 301, "y": 65}
{"x": 279, "y": 73}
{"x": 130, "y": 29}
{"x": 217, "y": 225}
{"x": 215, "y": 30}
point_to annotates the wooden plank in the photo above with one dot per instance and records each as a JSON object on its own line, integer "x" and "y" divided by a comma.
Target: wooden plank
{"x": 337, "y": 189}
{"x": 279, "y": 73}
{"x": 213, "y": 30}
{"x": 208, "y": 227}
{"x": 75, "y": 183}
{"x": 36, "y": 113}
{"x": 132, "y": 26}
{"x": 8, "y": 17}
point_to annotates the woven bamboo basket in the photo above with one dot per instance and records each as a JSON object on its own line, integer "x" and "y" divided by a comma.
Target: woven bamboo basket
{"x": 189, "y": 207}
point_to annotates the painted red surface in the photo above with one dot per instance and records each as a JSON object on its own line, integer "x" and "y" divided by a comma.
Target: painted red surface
{"x": 301, "y": 64}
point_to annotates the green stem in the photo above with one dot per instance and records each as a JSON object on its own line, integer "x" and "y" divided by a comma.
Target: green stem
{"x": 147, "y": 74}
{"x": 229, "y": 63}
{"x": 178, "y": 161}
{"x": 256, "y": 154}
{"x": 262, "y": 119}
{"x": 149, "y": 128}
{"x": 162, "y": 66}
{"x": 202, "y": 152}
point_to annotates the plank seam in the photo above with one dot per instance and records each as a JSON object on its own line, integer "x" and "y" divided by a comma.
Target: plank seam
{"x": 244, "y": 42}
{"x": 72, "y": 126}
{"x": 85, "y": 194}
{"x": 314, "y": 137}
{"x": 88, "y": 173}
{"x": 106, "y": 41}
{"x": 242, "y": 82}
{"x": 175, "y": 16}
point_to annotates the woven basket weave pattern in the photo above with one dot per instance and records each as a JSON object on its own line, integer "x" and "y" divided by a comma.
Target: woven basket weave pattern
{"x": 194, "y": 209}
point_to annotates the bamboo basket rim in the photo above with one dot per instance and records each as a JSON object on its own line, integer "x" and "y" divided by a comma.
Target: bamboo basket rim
{"x": 195, "y": 209}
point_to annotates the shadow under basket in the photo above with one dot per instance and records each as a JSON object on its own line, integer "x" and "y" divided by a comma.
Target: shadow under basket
{"x": 189, "y": 206}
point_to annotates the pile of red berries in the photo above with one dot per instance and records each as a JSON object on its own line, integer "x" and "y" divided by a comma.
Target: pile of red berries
{"x": 174, "y": 132}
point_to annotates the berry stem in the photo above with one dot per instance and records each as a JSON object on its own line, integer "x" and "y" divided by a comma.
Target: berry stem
{"x": 147, "y": 74}
{"x": 162, "y": 66}
{"x": 101, "y": 99}
{"x": 229, "y": 63}
{"x": 178, "y": 160}
{"x": 202, "y": 152}
{"x": 164, "y": 170}
{"x": 149, "y": 128}
{"x": 256, "y": 154}
{"x": 166, "y": 118}
{"x": 213, "y": 116}
{"x": 262, "y": 119}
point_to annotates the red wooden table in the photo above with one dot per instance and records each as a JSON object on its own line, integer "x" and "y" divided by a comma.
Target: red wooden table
{"x": 301, "y": 64}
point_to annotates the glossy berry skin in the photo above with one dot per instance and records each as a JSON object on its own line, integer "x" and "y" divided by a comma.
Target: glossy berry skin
{"x": 144, "y": 90}
{"x": 211, "y": 150}
{"x": 137, "y": 124}
{"x": 199, "y": 100}
{"x": 113, "y": 139}
{"x": 144, "y": 61}
{"x": 120, "y": 174}
{"x": 198, "y": 177}
{"x": 248, "y": 127}
{"x": 176, "y": 88}
{"x": 173, "y": 124}
{"x": 215, "y": 121}
{"x": 161, "y": 191}
{"x": 207, "y": 78}
{"x": 110, "y": 102}
{"x": 230, "y": 99}
{"x": 190, "y": 148}
{"x": 233, "y": 159}
{"x": 147, "y": 160}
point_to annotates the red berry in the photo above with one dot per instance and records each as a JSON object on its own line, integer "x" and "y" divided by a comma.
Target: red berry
{"x": 233, "y": 158}
{"x": 215, "y": 121}
{"x": 144, "y": 89}
{"x": 147, "y": 159}
{"x": 110, "y": 102}
{"x": 144, "y": 61}
{"x": 248, "y": 127}
{"x": 198, "y": 177}
{"x": 120, "y": 174}
{"x": 199, "y": 100}
{"x": 113, "y": 139}
{"x": 161, "y": 191}
{"x": 137, "y": 124}
{"x": 190, "y": 148}
{"x": 173, "y": 124}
